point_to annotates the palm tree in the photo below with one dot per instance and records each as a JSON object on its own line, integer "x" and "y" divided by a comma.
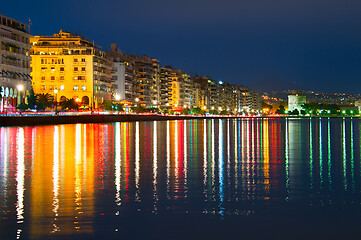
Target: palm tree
{"x": 44, "y": 98}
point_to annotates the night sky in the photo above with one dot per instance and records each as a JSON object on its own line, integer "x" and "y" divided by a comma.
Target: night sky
{"x": 315, "y": 44}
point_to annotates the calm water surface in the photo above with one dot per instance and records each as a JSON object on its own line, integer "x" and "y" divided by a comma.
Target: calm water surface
{"x": 194, "y": 179}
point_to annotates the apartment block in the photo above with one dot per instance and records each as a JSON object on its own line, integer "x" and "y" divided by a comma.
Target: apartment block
{"x": 15, "y": 80}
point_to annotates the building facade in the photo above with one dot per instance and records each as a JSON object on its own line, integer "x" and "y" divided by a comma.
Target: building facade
{"x": 73, "y": 66}
{"x": 295, "y": 102}
{"x": 15, "y": 80}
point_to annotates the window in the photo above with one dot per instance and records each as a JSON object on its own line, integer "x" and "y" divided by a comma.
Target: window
{"x": 52, "y": 78}
{"x": 62, "y": 69}
{"x": 81, "y": 77}
{"x": 75, "y": 60}
{"x": 42, "y": 61}
{"x": 83, "y": 69}
{"x": 75, "y": 78}
{"x": 83, "y": 87}
{"x": 61, "y": 87}
{"x": 52, "y": 69}
{"x": 61, "y": 78}
{"x": 42, "y": 78}
{"x": 43, "y": 87}
{"x": 76, "y": 87}
{"x": 43, "y": 69}
{"x": 83, "y": 60}
{"x": 75, "y": 69}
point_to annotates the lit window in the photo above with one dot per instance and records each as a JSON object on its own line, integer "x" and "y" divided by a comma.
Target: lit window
{"x": 52, "y": 69}
{"x": 61, "y": 87}
{"x": 52, "y": 78}
{"x": 83, "y": 87}
{"x": 43, "y": 69}
{"x": 76, "y": 87}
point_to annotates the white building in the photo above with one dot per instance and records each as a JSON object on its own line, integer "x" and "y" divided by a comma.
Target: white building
{"x": 15, "y": 80}
{"x": 295, "y": 102}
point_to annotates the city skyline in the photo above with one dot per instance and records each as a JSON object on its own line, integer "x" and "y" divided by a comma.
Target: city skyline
{"x": 314, "y": 45}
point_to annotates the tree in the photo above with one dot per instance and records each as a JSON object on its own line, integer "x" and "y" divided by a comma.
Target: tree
{"x": 214, "y": 112}
{"x": 197, "y": 110}
{"x": 295, "y": 112}
{"x": 23, "y": 106}
{"x": 224, "y": 112}
{"x": 118, "y": 107}
{"x": 280, "y": 110}
{"x": 45, "y": 99}
{"x": 139, "y": 109}
{"x": 106, "y": 105}
{"x": 32, "y": 103}
{"x": 69, "y": 104}
{"x": 185, "y": 111}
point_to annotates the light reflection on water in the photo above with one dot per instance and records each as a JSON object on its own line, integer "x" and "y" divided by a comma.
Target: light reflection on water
{"x": 70, "y": 179}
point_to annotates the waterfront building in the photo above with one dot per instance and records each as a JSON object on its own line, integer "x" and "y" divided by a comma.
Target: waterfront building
{"x": 180, "y": 90}
{"x": 72, "y": 66}
{"x": 15, "y": 80}
{"x": 122, "y": 75}
{"x": 165, "y": 82}
{"x": 249, "y": 101}
{"x": 145, "y": 81}
{"x": 200, "y": 92}
{"x": 295, "y": 102}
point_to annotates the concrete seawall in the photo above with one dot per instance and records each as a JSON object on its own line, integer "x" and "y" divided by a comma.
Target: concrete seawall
{"x": 90, "y": 118}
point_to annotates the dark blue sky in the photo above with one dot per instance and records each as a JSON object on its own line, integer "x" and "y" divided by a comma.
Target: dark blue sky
{"x": 314, "y": 43}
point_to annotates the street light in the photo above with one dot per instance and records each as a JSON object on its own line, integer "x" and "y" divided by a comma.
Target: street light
{"x": 20, "y": 88}
{"x": 117, "y": 97}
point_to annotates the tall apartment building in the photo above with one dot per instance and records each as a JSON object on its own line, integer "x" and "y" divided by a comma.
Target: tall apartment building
{"x": 165, "y": 84}
{"x": 249, "y": 101}
{"x": 74, "y": 66}
{"x": 15, "y": 80}
{"x": 122, "y": 75}
{"x": 180, "y": 90}
{"x": 200, "y": 92}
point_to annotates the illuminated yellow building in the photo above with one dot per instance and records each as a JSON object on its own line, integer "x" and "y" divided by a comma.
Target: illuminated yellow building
{"x": 180, "y": 90}
{"x": 74, "y": 66}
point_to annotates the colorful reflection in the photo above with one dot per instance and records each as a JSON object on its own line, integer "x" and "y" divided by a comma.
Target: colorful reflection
{"x": 62, "y": 180}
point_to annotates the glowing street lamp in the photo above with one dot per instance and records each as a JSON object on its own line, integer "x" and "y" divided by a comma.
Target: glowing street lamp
{"x": 117, "y": 97}
{"x": 20, "y": 88}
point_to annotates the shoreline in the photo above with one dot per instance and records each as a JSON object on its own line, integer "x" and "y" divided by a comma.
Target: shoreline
{"x": 34, "y": 120}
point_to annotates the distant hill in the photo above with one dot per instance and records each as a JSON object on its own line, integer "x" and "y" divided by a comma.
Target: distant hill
{"x": 274, "y": 84}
